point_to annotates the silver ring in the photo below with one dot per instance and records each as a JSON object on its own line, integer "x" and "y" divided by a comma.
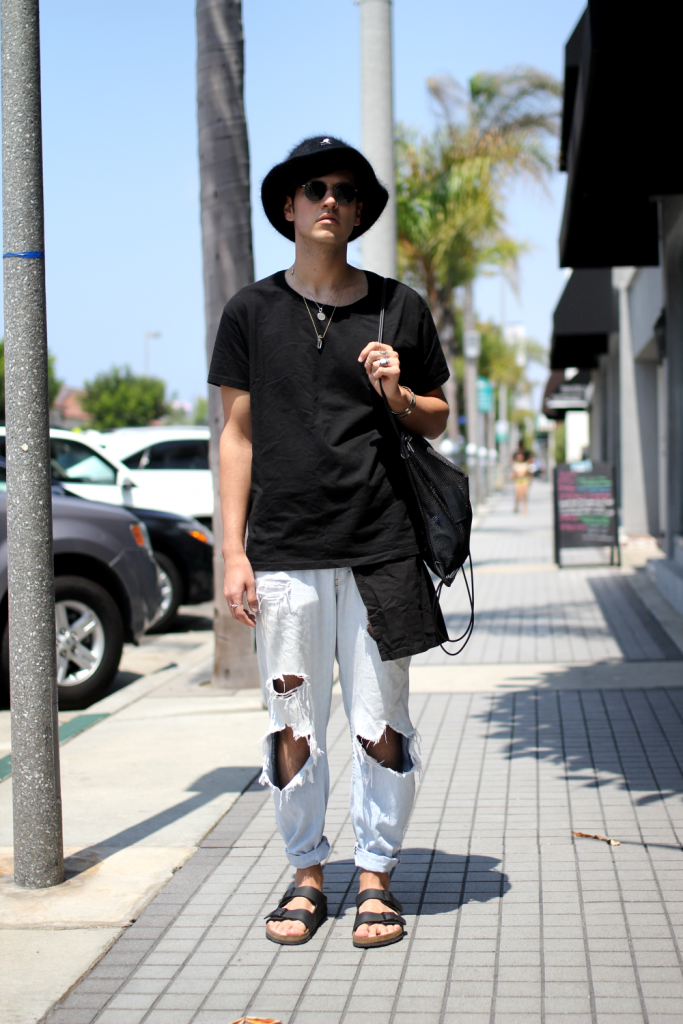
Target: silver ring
{"x": 384, "y": 362}
{"x": 235, "y": 605}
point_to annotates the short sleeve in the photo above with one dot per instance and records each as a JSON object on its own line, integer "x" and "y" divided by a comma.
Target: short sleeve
{"x": 435, "y": 367}
{"x": 230, "y": 359}
{"x": 427, "y": 369}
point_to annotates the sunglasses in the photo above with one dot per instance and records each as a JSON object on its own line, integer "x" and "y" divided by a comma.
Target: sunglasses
{"x": 343, "y": 192}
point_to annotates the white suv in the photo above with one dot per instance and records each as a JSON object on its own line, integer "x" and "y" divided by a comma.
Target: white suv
{"x": 169, "y": 466}
{"x": 86, "y": 470}
{"x": 163, "y": 468}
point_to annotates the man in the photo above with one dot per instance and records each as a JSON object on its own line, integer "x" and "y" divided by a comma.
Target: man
{"x": 310, "y": 461}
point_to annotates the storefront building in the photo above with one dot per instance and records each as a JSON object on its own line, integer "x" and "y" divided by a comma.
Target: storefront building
{"x": 621, "y": 314}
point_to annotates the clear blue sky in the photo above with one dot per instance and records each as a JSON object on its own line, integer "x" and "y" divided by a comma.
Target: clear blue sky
{"x": 121, "y": 178}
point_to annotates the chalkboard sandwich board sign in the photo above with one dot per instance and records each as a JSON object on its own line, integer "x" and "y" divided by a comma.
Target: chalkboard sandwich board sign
{"x": 585, "y": 507}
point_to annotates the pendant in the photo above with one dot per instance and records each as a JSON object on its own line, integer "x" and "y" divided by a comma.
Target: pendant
{"x": 320, "y": 315}
{"x": 320, "y": 343}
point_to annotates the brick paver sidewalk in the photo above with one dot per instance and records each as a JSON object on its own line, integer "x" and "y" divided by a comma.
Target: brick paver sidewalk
{"x": 529, "y": 611}
{"x": 510, "y": 917}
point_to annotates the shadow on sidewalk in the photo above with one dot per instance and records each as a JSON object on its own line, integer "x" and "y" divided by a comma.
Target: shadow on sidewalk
{"x": 428, "y": 882}
{"x": 206, "y": 788}
{"x": 630, "y": 740}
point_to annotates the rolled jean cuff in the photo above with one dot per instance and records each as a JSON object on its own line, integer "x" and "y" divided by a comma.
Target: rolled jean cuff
{"x": 307, "y": 860}
{"x": 373, "y": 862}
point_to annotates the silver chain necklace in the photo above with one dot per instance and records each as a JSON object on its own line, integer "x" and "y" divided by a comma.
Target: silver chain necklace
{"x": 321, "y": 312}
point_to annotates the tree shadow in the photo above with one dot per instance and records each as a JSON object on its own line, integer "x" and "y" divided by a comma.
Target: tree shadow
{"x": 427, "y": 882}
{"x": 205, "y": 789}
{"x": 605, "y": 739}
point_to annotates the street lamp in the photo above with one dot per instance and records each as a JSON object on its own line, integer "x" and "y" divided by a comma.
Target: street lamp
{"x": 148, "y": 336}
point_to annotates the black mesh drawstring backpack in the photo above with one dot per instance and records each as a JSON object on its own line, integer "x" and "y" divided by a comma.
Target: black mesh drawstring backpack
{"x": 441, "y": 513}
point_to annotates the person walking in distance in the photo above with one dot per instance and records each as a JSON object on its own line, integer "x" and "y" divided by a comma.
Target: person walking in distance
{"x": 521, "y": 476}
{"x": 310, "y": 463}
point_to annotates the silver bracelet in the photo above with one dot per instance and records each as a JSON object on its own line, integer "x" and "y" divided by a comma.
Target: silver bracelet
{"x": 411, "y": 406}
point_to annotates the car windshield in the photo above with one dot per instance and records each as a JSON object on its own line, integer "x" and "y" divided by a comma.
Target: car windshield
{"x": 77, "y": 463}
{"x": 192, "y": 454}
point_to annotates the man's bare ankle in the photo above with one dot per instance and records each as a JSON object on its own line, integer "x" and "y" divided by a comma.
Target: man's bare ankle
{"x": 312, "y": 876}
{"x": 373, "y": 880}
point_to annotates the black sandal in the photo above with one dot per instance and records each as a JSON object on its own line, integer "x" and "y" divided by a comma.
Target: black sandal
{"x": 384, "y": 918}
{"x": 312, "y": 919}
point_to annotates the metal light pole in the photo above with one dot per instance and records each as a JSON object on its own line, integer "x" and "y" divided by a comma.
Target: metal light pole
{"x": 38, "y": 854}
{"x": 503, "y": 427}
{"x": 148, "y": 336}
{"x": 471, "y": 351}
{"x": 377, "y": 128}
{"x": 491, "y": 445}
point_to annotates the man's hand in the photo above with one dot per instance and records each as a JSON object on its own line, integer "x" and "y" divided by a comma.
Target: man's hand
{"x": 238, "y": 580}
{"x": 382, "y": 362}
{"x": 430, "y": 411}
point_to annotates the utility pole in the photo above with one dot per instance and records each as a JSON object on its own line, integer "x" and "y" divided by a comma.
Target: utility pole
{"x": 471, "y": 351}
{"x": 37, "y": 806}
{"x": 377, "y": 128}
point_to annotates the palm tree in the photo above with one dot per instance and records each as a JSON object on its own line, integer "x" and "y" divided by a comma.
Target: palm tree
{"x": 451, "y": 187}
{"x": 228, "y": 260}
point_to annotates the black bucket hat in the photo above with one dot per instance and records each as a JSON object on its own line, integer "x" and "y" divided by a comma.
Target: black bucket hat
{"x": 321, "y": 155}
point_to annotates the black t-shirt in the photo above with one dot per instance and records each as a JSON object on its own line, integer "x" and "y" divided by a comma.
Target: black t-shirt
{"x": 327, "y": 484}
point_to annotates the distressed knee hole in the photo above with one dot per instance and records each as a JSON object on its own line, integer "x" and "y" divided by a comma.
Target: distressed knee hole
{"x": 393, "y": 750}
{"x": 290, "y": 749}
{"x": 287, "y": 683}
{"x": 387, "y": 750}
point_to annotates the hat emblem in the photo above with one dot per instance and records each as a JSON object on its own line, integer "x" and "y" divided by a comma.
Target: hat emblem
{"x": 325, "y": 142}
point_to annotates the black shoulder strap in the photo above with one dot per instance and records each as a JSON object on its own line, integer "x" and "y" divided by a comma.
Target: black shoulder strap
{"x": 380, "y": 332}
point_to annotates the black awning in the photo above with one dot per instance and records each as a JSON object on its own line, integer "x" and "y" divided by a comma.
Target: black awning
{"x": 585, "y": 316}
{"x": 562, "y": 395}
{"x": 619, "y": 136}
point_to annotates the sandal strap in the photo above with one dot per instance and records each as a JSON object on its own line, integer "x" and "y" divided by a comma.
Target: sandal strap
{"x": 387, "y": 898}
{"x": 385, "y": 918}
{"x": 315, "y": 896}
{"x": 281, "y": 914}
{"x": 307, "y": 892}
{"x": 312, "y": 919}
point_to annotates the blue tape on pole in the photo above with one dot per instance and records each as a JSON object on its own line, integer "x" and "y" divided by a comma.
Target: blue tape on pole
{"x": 31, "y": 254}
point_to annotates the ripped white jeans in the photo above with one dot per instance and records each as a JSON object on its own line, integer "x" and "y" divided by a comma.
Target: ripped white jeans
{"x": 305, "y": 618}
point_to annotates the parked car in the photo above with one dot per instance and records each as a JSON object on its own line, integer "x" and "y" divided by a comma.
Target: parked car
{"x": 164, "y": 468}
{"x": 107, "y": 591}
{"x": 183, "y": 549}
{"x": 168, "y": 465}
{"x": 182, "y": 546}
{"x": 86, "y": 469}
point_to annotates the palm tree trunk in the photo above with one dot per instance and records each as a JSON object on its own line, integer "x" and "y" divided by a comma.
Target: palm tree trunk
{"x": 228, "y": 262}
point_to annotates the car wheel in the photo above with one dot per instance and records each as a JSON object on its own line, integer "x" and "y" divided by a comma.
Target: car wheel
{"x": 171, "y": 591}
{"x": 89, "y": 634}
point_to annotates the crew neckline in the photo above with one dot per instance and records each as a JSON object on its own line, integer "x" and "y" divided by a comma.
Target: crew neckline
{"x": 328, "y": 305}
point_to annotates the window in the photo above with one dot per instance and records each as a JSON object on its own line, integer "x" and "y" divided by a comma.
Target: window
{"x": 133, "y": 461}
{"x": 172, "y": 455}
{"x": 74, "y": 461}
